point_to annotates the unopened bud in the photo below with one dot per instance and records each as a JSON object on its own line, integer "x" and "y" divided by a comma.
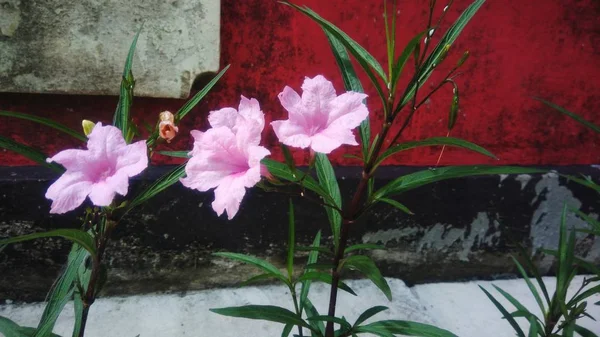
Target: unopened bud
{"x": 88, "y": 126}
{"x": 166, "y": 128}
{"x": 463, "y": 59}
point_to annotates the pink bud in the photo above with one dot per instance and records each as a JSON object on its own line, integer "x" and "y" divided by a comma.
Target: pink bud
{"x": 166, "y": 128}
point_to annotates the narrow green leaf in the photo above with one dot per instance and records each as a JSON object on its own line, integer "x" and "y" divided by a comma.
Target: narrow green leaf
{"x": 564, "y": 269}
{"x": 259, "y": 263}
{"x": 291, "y": 241}
{"x": 29, "y": 153}
{"x": 189, "y": 105}
{"x": 351, "y": 83}
{"x": 533, "y": 327}
{"x": 363, "y": 246}
{"x": 283, "y": 172}
{"x": 257, "y": 278}
{"x": 434, "y": 141}
{"x": 75, "y": 235}
{"x": 286, "y": 330}
{"x": 47, "y": 122}
{"x": 9, "y": 328}
{"x": 369, "y": 313}
{"x": 367, "y": 267}
{"x": 421, "y": 178}
{"x": 584, "y": 332}
{"x": 328, "y": 182}
{"x": 505, "y": 313}
{"x": 407, "y": 328}
{"x": 366, "y": 60}
{"x": 532, "y": 287}
{"x": 311, "y": 311}
{"x": 403, "y": 58}
{"x": 535, "y": 272}
{"x": 325, "y": 278}
{"x": 343, "y": 323}
{"x": 176, "y": 154}
{"x": 355, "y": 49}
{"x": 589, "y": 292}
{"x": 62, "y": 292}
{"x": 313, "y": 256}
{"x": 78, "y": 308}
{"x": 594, "y": 223}
{"x": 289, "y": 159}
{"x": 158, "y": 186}
{"x": 122, "y": 116}
{"x": 521, "y": 309}
{"x": 573, "y": 115}
{"x": 440, "y": 51}
{"x": 397, "y": 205}
{"x": 586, "y": 181}
{"x": 264, "y": 312}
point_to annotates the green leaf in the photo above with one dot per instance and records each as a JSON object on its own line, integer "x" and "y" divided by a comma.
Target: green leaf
{"x": 351, "y": 83}
{"x": 9, "y": 328}
{"x": 369, "y": 313}
{"x": 440, "y": 50}
{"x": 311, "y": 311}
{"x": 533, "y": 327}
{"x": 261, "y": 264}
{"x": 587, "y": 182}
{"x": 521, "y": 309}
{"x": 78, "y": 308}
{"x": 329, "y": 183}
{"x": 264, "y": 312}
{"x": 159, "y": 185}
{"x": 434, "y": 141}
{"x": 589, "y": 292}
{"x": 407, "y": 328}
{"x": 75, "y": 235}
{"x": 291, "y": 241}
{"x": 289, "y": 159}
{"x": 312, "y": 258}
{"x": 176, "y": 154}
{"x": 595, "y": 224}
{"x": 29, "y": 153}
{"x": 403, "y": 58}
{"x": 363, "y": 246}
{"x": 397, "y": 205}
{"x": 189, "y": 105}
{"x": 564, "y": 257}
{"x": 584, "y": 332}
{"x": 326, "y": 278}
{"x": 424, "y": 177}
{"x": 62, "y": 292}
{"x": 505, "y": 313}
{"x": 367, "y": 267}
{"x": 122, "y": 117}
{"x": 286, "y": 330}
{"x": 45, "y": 121}
{"x": 532, "y": 288}
{"x": 257, "y": 278}
{"x": 535, "y": 272}
{"x": 342, "y": 322}
{"x": 573, "y": 115}
{"x": 366, "y": 60}
{"x": 282, "y": 171}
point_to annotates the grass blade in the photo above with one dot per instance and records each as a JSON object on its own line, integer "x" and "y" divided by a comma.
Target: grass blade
{"x": 329, "y": 184}
{"x": 505, "y": 313}
{"x": 29, "y": 153}
{"x": 84, "y": 239}
{"x": 159, "y": 185}
{"x": 47, "y": 122}
{"x": 573, "y": 115}
{"x": 122, "y": 116}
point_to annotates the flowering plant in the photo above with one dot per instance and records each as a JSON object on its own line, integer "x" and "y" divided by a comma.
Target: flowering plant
{"x": 229, "y": 158}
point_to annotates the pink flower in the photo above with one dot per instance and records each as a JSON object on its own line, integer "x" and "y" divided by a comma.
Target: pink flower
{"x": 99, "y": 172}
{"x": 227, "y": 156}
{"x": 320, "y": 119}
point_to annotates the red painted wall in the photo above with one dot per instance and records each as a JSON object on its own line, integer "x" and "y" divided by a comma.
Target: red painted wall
{"x": 519, "y": 49}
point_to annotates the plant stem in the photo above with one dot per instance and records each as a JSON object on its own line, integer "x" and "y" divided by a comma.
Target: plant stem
{"x": 90, "y": 294}
{"x": 295, "y": 298}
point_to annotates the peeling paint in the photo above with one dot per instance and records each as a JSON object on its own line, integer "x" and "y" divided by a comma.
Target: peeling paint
{"x": 523, "y": 179}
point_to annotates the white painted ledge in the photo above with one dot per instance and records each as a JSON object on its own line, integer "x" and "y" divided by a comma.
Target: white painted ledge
{"x": 459, "y": 307}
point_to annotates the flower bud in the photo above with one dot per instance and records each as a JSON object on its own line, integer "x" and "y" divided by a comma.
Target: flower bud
{"x": 166, "y": 128}
{"x": 88, "y": 126}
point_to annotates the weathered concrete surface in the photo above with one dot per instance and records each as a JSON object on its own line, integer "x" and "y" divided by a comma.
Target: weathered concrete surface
{"x": 79, "y": 47}
{"x": 461, "y": 308}
{"x": 462, "y": 229}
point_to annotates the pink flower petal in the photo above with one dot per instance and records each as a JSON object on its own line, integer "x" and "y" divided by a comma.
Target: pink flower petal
{"x": 348, "y": 110}
{"x": 105, "y": 139}
{"x": 132, "y": 159}
{"x": 291, "y": 134}
{"x": 224, "y": 117}
{"x": 68, "y": 192}
{"x": 71, "y": 159}
{"x": 317, "y": 93}
{"x": 228, "y": 196}
{"x": 102, "y": 194}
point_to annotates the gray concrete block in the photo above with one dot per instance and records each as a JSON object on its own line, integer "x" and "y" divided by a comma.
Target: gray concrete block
{"x": 79, "y": 47}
